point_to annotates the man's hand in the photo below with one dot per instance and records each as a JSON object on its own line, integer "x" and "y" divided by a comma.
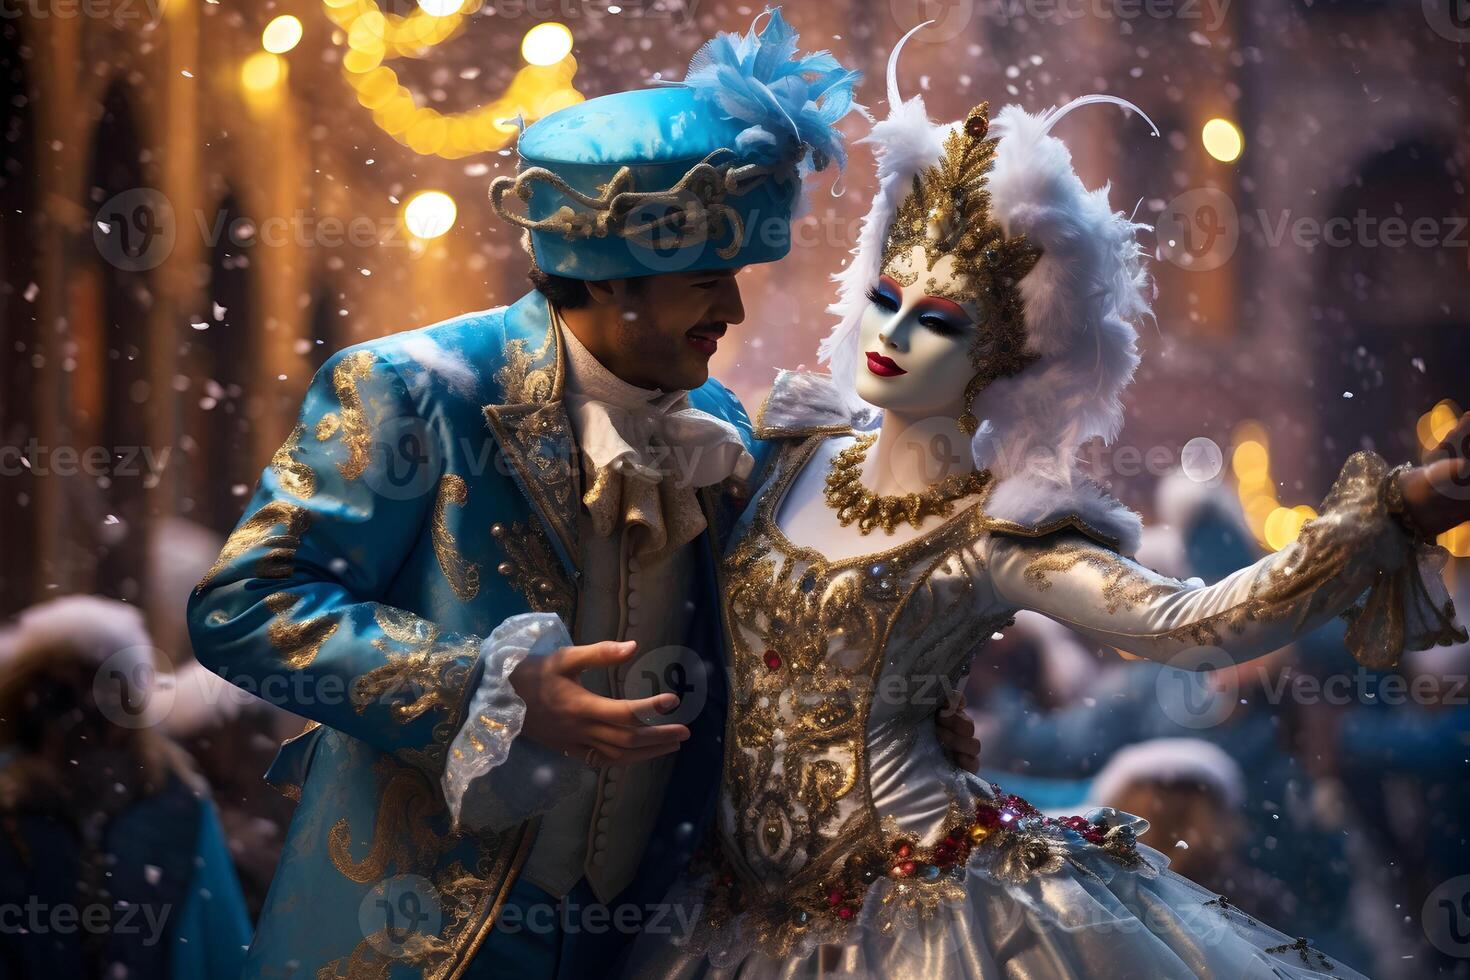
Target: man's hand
{"x": 957, "y": 734}
{"x": 563, "y": 715}
{"x": 1437, "y": 494}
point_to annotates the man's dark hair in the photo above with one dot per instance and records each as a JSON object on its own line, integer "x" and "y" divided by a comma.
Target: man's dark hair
{"x": 566, "y": 293}
{"x": 562, "y": 292}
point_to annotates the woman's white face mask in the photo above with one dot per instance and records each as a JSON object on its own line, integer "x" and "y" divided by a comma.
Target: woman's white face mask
{"x": 915, "y": 346}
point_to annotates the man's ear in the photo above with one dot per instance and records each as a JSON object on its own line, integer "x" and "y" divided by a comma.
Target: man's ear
{"x": 607, "y": 292}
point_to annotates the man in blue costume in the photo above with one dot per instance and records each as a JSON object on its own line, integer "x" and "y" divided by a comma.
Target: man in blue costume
{"x": 484, "y": 561}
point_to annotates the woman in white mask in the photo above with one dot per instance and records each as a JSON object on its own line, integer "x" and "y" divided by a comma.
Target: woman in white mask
{"x": 922, "y": 493}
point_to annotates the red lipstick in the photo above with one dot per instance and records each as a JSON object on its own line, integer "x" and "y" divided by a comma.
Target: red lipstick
{"x": 883, "y": 367}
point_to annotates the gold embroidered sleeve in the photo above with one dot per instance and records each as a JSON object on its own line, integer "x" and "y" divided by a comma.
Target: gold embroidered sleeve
{"x": 288, "y": 611}
{"x": 1353, "y": 560}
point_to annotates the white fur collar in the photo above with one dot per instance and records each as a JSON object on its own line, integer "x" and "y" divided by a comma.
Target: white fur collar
{"x": 1026, "y": 504}
{"x": 803, "y": 403}
{"x": 1037, "y": 505}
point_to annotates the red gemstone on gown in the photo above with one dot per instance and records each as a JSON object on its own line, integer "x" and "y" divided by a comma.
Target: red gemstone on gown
{"x": 844, "y": 913}
{"x": 773, "y": 660}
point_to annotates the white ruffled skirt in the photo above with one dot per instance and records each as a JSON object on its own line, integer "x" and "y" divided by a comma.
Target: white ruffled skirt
{"x": 1091, "y": 918}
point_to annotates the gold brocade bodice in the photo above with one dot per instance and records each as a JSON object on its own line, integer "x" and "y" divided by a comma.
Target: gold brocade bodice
{"x": 834, "y": 661}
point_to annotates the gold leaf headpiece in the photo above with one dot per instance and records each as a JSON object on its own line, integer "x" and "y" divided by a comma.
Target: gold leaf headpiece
{"x": 948, "y": 213}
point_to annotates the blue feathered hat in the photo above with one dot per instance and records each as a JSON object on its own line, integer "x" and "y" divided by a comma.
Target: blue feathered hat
{"x": 687, "y": 176}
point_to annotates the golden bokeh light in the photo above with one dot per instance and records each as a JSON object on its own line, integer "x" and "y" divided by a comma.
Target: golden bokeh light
{"x": 262, "y": 72}
{"x": 373, "y": 37}
{"x": 281, "y": 34}
{"x": 1456, "y": 540}
{"x": 1436, "y": 423}
{"x": 1223, "y": 140}
{"x": 546, "y": 44}
{"x": 429, "y": 214}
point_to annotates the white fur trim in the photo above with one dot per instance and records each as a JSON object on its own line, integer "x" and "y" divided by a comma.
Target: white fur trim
{"x": 801, "y": 401}
{"x": 1036, "y": 503}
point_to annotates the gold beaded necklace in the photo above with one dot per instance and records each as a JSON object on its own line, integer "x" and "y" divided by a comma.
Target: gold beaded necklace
{"x": 854, "y": 502}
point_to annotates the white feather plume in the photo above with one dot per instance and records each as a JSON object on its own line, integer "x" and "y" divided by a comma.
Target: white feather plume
{"x": 1081, "y": 299}
{"x": 905, "y": 144}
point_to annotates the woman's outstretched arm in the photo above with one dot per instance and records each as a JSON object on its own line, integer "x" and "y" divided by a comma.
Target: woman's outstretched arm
{"x": 1358, "y": 558}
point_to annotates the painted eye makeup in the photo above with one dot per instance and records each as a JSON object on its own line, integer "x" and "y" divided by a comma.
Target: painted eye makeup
{"x": 941, "y": 325}
{"x": 881, "y": 298}
{"x": 944, "y": 317}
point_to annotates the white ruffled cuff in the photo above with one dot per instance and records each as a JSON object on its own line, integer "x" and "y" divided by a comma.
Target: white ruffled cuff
{"x": 494, "y": 780}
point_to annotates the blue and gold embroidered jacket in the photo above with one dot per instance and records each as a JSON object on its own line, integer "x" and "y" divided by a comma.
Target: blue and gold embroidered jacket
{"x": 429, "y": 491}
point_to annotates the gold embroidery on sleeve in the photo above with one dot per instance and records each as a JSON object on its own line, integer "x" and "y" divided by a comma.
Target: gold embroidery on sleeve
{"x": 462, "y": 574}
{"x": 429, "y": 675}
{"x": 298, "y": 640}
{"x": 351, "y": 422}
{"x": 1124, "y": 585}
{"x": 259, "y": 530}
{"x": 294, "y": 476}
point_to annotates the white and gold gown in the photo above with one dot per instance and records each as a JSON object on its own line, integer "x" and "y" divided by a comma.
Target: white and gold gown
{"x": 847, "y": 843}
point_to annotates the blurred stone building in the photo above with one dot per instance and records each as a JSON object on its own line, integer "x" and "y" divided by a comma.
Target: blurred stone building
{"x": 191, "y": 222}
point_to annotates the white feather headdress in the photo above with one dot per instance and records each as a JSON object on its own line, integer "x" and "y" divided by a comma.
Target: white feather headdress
{"x": 1081, "y": 300}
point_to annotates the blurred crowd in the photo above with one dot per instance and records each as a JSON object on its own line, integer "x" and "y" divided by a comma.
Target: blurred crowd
{"x": 1327, "y": 799}
{"x": 137, "y": 837}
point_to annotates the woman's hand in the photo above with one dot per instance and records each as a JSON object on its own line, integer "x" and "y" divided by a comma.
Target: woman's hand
{"x": 1437, "y": 494}
{"x": 957, "y": 734}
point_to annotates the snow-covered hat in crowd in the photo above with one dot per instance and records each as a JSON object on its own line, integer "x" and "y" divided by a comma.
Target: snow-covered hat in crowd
{"x": 1171, "y": 761}
{"x": 90, "y": 627}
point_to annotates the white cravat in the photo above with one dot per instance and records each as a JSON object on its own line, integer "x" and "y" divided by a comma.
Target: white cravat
{"x": 645, "y": 452}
